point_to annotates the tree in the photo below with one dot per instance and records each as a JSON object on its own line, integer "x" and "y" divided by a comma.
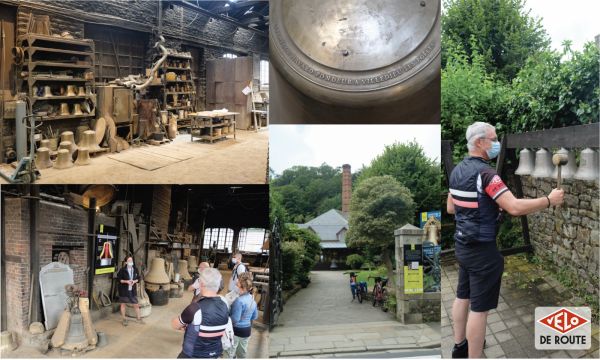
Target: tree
{"x": 380, "y": 205}
{"x": 408, "y": 164}
{"x": 308, "y": 191}
{"x": 501, "y": 30}
{"x": 310, "y": 246}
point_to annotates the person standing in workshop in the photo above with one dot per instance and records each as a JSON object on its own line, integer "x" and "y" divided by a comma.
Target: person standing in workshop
{"x": 205, "y": 321}
{"x": 128, "y": 278}
{"x": 195, "y": 287}
{"x": 476, "y": 198}
{"x": 238, "y": 269}
{"x": 243, "y": 311}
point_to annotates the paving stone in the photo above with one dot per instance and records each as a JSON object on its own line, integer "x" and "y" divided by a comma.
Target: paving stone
{"x": 497, "y": 326}
{"x": 559, "y": 355}
{"x": 490, "y": 340}
{"x": 492, "y": 318}
{"x": 494, "y": 351}
{"x": 503, "y": 336}
{"x": 510, "y": 347}
{"x": 511, "y": 323}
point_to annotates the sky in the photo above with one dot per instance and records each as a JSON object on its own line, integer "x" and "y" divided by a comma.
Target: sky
{"x": 575, "y": 20}
{"x": 357, "y": 145}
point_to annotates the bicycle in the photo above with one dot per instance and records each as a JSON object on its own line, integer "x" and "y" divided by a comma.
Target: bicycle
{"x": 358, "y": 289}
{"x": 380, "y": 293}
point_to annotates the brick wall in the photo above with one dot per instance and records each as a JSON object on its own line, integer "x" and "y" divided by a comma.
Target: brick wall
{"x": 572, "y": 243}
{"x": 17, "y": 263}
{"x": 182, "y": 28}
{"x": 55, "y": 217}
{"x": 161, "y": 207}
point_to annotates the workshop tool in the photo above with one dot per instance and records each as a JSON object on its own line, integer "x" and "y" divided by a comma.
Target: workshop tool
{"x": 559, "y": 160}
{"x": 588, "y": 165}
{"x": 568, "y": 170}
{"x": 25, "y": 171}
{"x": 526, "y": 162}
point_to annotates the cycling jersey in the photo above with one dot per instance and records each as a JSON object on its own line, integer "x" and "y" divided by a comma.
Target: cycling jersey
{"x": 206, "y": 321}
{"x": 474, "y": 187}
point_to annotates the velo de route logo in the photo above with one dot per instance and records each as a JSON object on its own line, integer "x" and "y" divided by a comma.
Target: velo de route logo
{"x": 563, "y": 328}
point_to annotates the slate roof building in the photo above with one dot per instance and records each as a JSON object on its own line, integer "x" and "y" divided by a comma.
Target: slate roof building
{"x": 331, "y": 227}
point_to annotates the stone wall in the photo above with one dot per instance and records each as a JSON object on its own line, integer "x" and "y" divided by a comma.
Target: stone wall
{"x": 572, "y": 243}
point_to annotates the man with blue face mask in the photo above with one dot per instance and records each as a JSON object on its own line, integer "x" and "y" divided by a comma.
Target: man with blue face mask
{"x": 477, "y": 196}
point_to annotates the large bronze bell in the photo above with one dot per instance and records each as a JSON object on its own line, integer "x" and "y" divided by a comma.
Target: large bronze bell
{"x": 63, "y": 160}
{"x": 526, "y": 163}
{"x": 83, "y": 157}
{"x": 588, "y": 165}
{"x": 192, "y": 264}
{"x": 183, "y": 270}
{"x": 88, "y": 140}
{"x": 568, "y": 170}
{"x": 76, "y": 339}
{"x": 157, "y": 274}
{"x": 543, "y": 164}
{"x": 42, "y": 158}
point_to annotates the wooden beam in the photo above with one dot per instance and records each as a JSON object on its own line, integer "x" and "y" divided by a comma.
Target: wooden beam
{"x": 579, "y": 136}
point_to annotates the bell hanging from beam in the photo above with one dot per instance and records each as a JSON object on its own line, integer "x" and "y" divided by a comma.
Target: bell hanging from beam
{"x": 526, "y": 162}
{"x": 543, "y": 164}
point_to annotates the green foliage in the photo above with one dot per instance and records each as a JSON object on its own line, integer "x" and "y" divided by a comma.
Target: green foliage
{"x": 408, "y": 164}
{"x": 355, "y": 261}
{"x": 391, "y": 303}
{"x": 306, "y": 192}
{"x": 380, "y": 205}
{"x": 510, "y": 233}
{"x": 469, "y": 94}
{"x": 501, "y": 30}
{"x": 555, "y": 90}
{"x": 291, "y": 258}
{"x": 300, "y": 249}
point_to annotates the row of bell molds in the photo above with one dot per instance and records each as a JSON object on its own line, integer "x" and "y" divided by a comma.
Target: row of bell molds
{"x": 542, "y": 166}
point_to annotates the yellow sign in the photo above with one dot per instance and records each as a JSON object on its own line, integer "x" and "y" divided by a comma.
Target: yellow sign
{"x": 413, "y": 280}
{"x": 105, "y": 270}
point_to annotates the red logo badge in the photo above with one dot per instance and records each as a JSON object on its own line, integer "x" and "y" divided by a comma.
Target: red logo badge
{"x": 563, "y": 321}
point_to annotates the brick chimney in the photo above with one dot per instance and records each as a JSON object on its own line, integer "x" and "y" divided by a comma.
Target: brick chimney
{"x": 346, "y": 188}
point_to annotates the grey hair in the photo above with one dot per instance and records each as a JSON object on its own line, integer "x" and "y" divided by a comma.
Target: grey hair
{"x": 477, "y": 130}
{"x": 211, "y": 278}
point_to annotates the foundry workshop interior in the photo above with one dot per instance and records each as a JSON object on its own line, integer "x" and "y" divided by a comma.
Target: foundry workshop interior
{"x": 134, "y": 91}
{"x": 62, "y": 246}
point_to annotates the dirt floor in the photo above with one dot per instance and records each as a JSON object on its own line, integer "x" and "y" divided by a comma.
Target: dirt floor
{"x": 239, "y": 161}
{"x": 154, "y": 339}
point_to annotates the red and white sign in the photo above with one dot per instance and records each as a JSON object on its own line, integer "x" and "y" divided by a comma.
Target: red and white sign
{"x": 563, "y": 321}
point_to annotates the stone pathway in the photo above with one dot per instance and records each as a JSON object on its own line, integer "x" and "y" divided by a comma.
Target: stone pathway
{"x": 510, "y": 329}
{"x": 322, "y": 319}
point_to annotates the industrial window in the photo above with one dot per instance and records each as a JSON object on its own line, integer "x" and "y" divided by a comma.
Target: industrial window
{"x": 264, "y": 73}
{"x": 229, "y": 56}
{"x": 251, "y": 240}
{"x": 222, "y": 236}
{"x": 118, "y": 52}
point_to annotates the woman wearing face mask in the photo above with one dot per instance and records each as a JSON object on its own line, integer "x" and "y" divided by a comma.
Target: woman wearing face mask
{"x": 128, "y": 278}
{"x": 477, "y": 195}
{"x": 243, "y": 311}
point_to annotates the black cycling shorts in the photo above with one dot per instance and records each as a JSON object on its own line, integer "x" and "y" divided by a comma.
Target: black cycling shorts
{"x": 479, "y": 274}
